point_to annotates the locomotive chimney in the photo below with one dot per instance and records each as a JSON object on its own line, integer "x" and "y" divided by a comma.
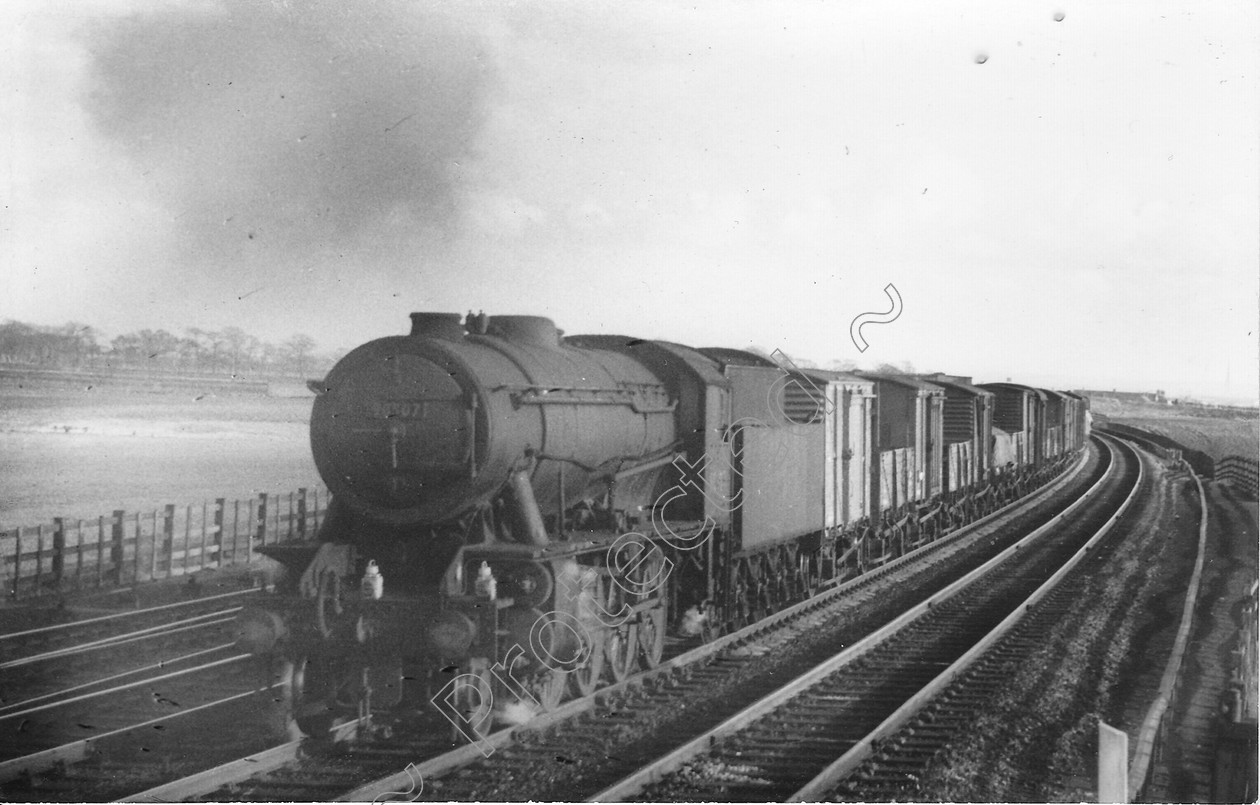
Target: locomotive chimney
{"x": 447, "y": 326}
{"x": 533, "y": 330}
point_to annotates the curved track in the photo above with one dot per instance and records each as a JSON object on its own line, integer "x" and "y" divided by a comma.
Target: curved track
{"x": 797, "y": 742}
{"x": 294, "y": 771}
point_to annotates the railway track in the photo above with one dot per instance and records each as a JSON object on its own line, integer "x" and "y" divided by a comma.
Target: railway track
{"x": 78, "y": 692}
{"x": 80, "y": 635}
{"x": 798, "y": 742}
{"x": 312, "y": 771}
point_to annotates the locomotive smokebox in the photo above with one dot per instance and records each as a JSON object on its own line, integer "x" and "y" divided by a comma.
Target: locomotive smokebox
{"x": 421, "y": 429}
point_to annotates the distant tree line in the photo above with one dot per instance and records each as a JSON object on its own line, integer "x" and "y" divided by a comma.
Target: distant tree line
{"x": 230, "y": 351}
{"x": 836, "y": 365}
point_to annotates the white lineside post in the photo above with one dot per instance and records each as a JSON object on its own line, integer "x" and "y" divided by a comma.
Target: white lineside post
{"x": 1113, "y": 764}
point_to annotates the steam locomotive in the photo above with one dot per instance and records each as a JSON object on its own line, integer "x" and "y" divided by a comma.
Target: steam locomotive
{"x": 518, "y": 516}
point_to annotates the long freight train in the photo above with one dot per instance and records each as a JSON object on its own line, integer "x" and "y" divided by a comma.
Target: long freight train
{"x": 520, "y": 516}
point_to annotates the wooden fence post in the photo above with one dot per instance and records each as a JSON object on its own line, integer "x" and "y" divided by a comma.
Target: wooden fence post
{"x": 205, "y": 521}
{"x": 39, "y": 558}
{"x": 249, "y": 538}
{"x": 116, "y": 549}
{"x": 262, "y": 518}
{"x": 100, "y": 550}
{"x": 135, "y": 556}
{"x": 59, "y": 549}
{"x": 218, "y": 532}
{"x": 17, "y": 560}
{"x": 301, "y": 513}
{"x": 187, "y": 536}
{"x": 78, "y": 555}
{"x": 168, "y": 537}
{"x": 153, "y": 549}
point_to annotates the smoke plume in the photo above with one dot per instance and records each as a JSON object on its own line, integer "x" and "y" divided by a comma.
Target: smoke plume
{"x": 293, "y": 129}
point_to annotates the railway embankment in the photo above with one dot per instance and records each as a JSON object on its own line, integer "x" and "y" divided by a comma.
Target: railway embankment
{"x": 1209, "y": 744}
{"x": 1108, "y": 659}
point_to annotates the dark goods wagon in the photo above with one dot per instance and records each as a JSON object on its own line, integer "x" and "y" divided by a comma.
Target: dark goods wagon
{"x": 967, "y": 422}
{"x": 1019, "y": 425}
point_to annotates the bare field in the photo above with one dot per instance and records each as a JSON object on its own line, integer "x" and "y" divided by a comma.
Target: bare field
{"x": 84, "y": 453}
{"x": 1217, "y": 432}
{"x": 1216, "y": 437}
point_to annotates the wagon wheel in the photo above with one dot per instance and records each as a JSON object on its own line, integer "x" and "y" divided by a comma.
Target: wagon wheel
{"x": 742, "y": 597}
{"x": 888, "y": 541}
{"x": 710, "y": 627}
{"x": 547, "y": 686}
{"x": 806, "y": 575}
{"x": 894, "y": 539}
{"x": 621, "y": 651}
{"x": 786, "y": 576}
{"x": 313, "y": 693}
{"x": 862, "y": 551}
{"x": 930, "y": 530}
{"x": 775, "y": 592}
{"x": 914, "y": 534}
{"x": 478, "y": 711}
{"x": 621, "y": 640}
{"x": 652, "y": 635}
{"x": 760, "y": 604}
{"x": 586, "y": 677}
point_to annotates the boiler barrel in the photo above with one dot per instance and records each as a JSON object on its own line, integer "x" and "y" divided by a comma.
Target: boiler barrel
{"x": 421, "y": 429}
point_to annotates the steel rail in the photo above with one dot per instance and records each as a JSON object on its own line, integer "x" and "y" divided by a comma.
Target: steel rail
{"x": 161, "y": 630}
{"x": 128, "y": 614}
{"x": 205, "y": 783}
{"x": 828, "y": 778}
{"x": 113, "y": 677}
{"x": 634, "y": 783}
{"x": 464, "y": 755}
{"x": 78, "y": 751}
{"x": 131, "y": 685}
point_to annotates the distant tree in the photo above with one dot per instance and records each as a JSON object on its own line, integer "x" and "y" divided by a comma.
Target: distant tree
{"x": 195, "y": 346}
{"x": 298, "y": 351}
{"x": 71, "y": 344}
{"x": 158, "y": 346}
{"x": 250, "y": 351}
{"x": 19, "y": 343}
{"x": 235, "y": 341}
{"x": 125, "y": 348}
{"x": 230, "y": 350}
{"x": 214, "y": 342}
{"x": 80, "y": 342}
{"x": 800, "y": 363}
{"x": 841, "y": 365}
{"x": 270, "y": 356}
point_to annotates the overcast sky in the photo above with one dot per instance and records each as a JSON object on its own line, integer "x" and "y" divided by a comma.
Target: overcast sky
{"x": 1066, "y": 194}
